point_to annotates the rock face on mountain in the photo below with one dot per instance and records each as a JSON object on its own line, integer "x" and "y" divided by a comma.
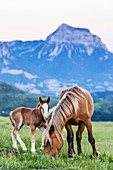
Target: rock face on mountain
{"x": 68, "y": 56}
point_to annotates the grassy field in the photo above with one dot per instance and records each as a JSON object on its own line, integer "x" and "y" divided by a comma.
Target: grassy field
{"x": 103, "y": 133}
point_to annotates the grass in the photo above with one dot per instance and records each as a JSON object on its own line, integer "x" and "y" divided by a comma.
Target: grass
{"x": 102, "y": 131}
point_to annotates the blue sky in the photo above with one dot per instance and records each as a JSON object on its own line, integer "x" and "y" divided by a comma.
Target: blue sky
{"x": 36, "y": 19}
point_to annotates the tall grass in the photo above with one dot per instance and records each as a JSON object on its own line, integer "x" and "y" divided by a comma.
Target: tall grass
{"x": 103, "y": 133}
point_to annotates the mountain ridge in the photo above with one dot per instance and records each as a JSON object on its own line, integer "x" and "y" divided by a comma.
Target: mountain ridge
{"x": 48, "y": 67}
{"x": 75, "y": 35}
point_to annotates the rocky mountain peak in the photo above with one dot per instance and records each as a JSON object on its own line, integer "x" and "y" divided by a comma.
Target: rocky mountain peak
{"x": 69, "y": 34}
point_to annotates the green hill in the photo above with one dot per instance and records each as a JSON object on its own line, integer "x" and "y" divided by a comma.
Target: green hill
{"x": 103, "y": 106}
{"x": 11, "y": 98}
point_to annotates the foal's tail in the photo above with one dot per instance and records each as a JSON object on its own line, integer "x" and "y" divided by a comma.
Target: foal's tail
{"x": 10, "y": 116}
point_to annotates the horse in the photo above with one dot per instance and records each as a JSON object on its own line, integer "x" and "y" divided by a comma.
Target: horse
{"x": 33, "y": 117}
{"x": 74, "y": 108}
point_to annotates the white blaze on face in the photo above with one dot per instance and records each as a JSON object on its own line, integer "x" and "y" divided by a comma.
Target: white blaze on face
{"x": 46, "y": 110}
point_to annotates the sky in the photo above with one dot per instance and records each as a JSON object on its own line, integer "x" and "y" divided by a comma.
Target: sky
{"x": 36, "y": 19}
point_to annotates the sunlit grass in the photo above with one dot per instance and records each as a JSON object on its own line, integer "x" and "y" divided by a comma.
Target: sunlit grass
{"x": 102, "y": 131}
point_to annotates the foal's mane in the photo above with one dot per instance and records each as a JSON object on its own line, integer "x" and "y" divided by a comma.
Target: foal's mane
{"x": 67, "y": 106}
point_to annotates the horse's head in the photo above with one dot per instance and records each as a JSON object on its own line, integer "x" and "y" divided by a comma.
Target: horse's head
{"x": 44, "y": 104}
{"x": 52, "y": 143}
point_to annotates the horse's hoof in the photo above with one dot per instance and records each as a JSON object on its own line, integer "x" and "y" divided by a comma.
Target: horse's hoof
{"x": 71, "y": 159}
{"x": 97, "y": 155}
{"x": 25, "y": 151}
{"x": 53, "y": 158}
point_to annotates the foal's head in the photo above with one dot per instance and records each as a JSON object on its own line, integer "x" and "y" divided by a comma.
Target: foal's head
{"x": 44, "y": 103}
{"x": 52, "y": 143}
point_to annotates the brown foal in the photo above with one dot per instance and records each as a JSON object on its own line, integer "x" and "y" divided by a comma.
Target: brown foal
{"x": 33, "y": 117}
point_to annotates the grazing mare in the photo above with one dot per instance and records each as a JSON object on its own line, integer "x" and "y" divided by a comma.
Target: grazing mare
{"x": 74, "y": 108}
{"x": 33, "y": 117}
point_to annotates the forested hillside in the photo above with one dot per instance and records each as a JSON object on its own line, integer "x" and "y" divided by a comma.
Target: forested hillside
{"x": 11, "y": 97}
{"x": 103, "y": 106}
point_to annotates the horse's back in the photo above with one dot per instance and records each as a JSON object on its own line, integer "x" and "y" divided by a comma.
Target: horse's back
{"x": 19, "y": 113}
{"x": 85, "y": 99}
{"x": 86, "y": 106}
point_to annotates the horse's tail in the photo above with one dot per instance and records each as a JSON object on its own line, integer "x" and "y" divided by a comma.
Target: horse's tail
{"x": 10, "y": 116}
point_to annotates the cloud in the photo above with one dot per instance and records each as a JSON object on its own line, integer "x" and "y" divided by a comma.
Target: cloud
{"x": 40, "y": 84}
{"x": 36, "y": 91}
{"x": 16, "y": 72}
{"x": 29, "y": 76}
{"x": 28, "y": 87}
{"x": 53, "y": 86}
{"x": 110, "y": 88}
{"x": 99, "y": 87}
{"x": 25, "y": 87}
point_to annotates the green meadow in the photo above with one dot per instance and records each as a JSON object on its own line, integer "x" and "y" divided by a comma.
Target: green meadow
{"x": 102, "y": 131}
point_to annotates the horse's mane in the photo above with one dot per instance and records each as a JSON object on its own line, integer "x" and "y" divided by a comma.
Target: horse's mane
{"x": 67, "y": 106}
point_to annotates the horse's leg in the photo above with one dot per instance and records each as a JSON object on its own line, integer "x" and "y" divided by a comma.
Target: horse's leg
{"x": 91, "y": 138}
{"x": 79, "y": 137}
{"x": 14, "y": 138}
{"x": 15, "y": 133}
{"x": 33, "y": 138}
{"x": 70, "y": 137}
{"x": 17, "y": 137}
{"x": 21, "y": 143}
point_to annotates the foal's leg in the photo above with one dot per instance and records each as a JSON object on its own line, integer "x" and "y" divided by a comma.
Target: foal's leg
{"x": 21, "y": 143}
{"x": 70, "y": 137}
{"x": 91, "y": 138}
{"x": 33, "y": 138}
{"x": 14, "y": 138}
{"x": 79, "y": 137}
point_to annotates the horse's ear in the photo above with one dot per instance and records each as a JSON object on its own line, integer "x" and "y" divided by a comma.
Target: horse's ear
{"x": 51, "y": 130}
{"x": 40, "y": 99}
{"x": 48, "y": 100}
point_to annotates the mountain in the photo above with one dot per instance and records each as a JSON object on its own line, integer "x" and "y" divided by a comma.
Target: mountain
{"x": 68, "y": 56}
